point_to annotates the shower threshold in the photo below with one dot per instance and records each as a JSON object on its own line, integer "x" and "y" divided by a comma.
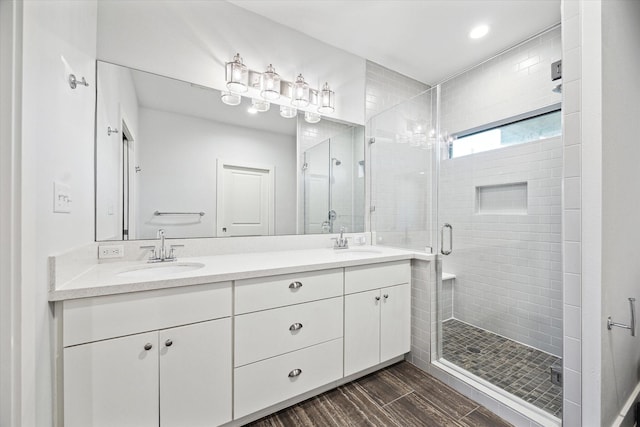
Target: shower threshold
{"x": 521, "y": 371}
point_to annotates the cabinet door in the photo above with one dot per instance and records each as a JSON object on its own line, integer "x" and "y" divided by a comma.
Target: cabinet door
{"x": 112, "y": 382}
{"x": 361, "y": 331}
{"x": 395, "y": 321}
{"x": 195, "y": 374}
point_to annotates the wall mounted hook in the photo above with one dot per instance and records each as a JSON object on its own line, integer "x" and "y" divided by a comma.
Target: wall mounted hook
{"x": 73, "y": 82}
{"x": 111, "y": 130}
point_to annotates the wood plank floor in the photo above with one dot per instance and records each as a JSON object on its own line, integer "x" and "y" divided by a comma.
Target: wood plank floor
{"x": 398, "y": 396}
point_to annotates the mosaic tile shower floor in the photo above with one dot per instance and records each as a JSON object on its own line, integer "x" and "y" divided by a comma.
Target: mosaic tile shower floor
{"x": 516, "y": 368}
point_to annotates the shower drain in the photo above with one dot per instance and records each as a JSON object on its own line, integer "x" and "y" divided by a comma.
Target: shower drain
{"x": 473, "y": 350}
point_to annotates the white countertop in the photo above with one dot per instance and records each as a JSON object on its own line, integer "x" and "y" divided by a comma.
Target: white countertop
{"x": 103, "y": 279}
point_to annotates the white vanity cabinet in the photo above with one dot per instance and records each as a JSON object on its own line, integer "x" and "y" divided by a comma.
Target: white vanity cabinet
{"x": 177, "y": 374}
{"x": 377, "y": 307}
{"x": 284, "y": 351}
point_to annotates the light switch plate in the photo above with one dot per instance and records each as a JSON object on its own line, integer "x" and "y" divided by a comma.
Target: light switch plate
{"x": 110, "y": 251}
{"x": 61, "y": 198}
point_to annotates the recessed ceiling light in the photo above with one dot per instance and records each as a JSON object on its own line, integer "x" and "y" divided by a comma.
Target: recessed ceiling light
{"x": 479, "y": 31}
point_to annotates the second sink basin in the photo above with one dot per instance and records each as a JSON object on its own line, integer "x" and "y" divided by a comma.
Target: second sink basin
{"x": 159, "y": 270}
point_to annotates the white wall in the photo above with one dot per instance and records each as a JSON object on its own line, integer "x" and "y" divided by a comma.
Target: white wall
{"x": 191, "y": 41}
{"x": 117, "y": 102}
{"x": 177, "y": 155}
{"x": 10, "y": 130}
{"x": 514, "y": 82}
{"x": 620, "y": 201}
{"x": 57, "y": 145}
{"x": 508, "y": 266}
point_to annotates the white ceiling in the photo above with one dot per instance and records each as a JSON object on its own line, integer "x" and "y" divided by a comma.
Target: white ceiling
{"x": 424, "y": 39}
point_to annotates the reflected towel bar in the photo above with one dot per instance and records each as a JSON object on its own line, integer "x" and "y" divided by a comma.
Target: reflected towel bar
{"x": 158, "y": 213}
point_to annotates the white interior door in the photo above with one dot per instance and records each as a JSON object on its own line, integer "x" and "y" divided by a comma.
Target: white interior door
{"x": 245, "y": 201}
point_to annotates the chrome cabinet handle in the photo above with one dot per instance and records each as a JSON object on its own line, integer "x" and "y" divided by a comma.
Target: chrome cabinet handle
{"x": 295, "y": 326}
{"x": 295, "y": 373}
{"x": 168, "y": 343}
{"x": 442, "y": 251}
{"x": 295, "y": 285}
{"x": 386, "y": 296}
{"x": 148, "y": 346}
{"x": 377, "y": 298}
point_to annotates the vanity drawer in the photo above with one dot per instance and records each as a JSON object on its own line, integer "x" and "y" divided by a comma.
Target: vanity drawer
{"x": 262, "y": 384}
{"x": 277, "y": 291}
{"x": 269, "y": 333}
{"x": 374, "y": 276}
{"x": 99, "y": 318}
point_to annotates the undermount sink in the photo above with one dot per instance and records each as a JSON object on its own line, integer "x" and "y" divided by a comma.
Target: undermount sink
{"x": 159, "y": 270}
{"x": 356, "y": 250}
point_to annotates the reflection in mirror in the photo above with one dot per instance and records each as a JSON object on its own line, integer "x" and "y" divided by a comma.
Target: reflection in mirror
{"x": 171, "y": 155}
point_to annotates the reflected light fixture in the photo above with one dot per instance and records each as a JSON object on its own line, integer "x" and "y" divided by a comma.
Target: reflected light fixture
{"x": 479, "y": 31}
{"x": 327, "y": 100}
{"x": 310, "y": 117}
{"x": 300, "y": 96}
{"x": 270, "y": 84}
{"x": 237, "y": 75}
{"x": 288, "y": 112}
{"x": 230, "y": 98}
{"x": 259, "y": 105}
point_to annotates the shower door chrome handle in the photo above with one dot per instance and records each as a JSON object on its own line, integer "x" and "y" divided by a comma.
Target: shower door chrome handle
{"x": 632, "y": 325}
{"x": 442, "y": 251}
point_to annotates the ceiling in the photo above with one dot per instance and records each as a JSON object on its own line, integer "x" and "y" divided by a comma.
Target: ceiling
{"x": 424, "y": 39}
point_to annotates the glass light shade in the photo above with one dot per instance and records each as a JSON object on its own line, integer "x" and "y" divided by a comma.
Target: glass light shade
{"x": 230, "y": 98}
{"x": 270, "y": 84}
{"x": 260, "y": 105}
{"x": 300, "y": 95}
{"x": 310, "y": 117}
{"x": 237, "y": 75}
{"x": 288, "y": 112}
{"x": 327, "y": 100}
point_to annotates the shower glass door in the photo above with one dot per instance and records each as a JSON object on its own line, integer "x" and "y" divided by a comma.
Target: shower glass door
{"x": 499, "y": 240}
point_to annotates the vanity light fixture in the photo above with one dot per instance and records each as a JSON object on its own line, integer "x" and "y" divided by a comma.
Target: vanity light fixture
{"x": 260, "y": 106}
{"x": 310, "y": 117}
{"x": 288, "y": 112}
{"x": 237, "y": 75}
{"x": 230, "y": 98}
{"x": 270, "y": 84}
{"x": 300, "y": 96}
{"x": 327, "y": 100}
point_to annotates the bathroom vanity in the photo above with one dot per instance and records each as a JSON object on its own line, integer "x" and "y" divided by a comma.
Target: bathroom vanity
{"x": 225, "y": 339}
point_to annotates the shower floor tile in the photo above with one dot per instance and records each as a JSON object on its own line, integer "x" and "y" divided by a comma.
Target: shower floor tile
{"x": 518, "y": 369}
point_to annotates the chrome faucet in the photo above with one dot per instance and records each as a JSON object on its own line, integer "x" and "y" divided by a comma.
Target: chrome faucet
{"x": 159, "y": 253}
{"x": 341, "y": 242}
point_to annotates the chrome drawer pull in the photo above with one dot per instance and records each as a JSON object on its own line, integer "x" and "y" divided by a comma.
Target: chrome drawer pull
{"x": 377, "y": 298}
{"x": 386, "y": 296}
{"x": 295, "y": 285}
{"x": 148, "y": 346}
{"x": 295, "y": 373}
{"x": 295, "y": 326}
{"x": 168, "y": 343}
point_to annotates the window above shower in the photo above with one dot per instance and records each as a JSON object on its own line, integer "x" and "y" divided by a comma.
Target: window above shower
{"x": 506, "y": 133}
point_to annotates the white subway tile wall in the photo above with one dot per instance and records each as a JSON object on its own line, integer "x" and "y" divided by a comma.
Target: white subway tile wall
{"x": 572, "y": 136}
{"x": 386, "y": 88}
{"x": 515, "y": 82}
{"x": 508, "y": 266}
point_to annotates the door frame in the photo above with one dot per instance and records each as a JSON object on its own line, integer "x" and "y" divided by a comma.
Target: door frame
{"x": 220, "y": 165}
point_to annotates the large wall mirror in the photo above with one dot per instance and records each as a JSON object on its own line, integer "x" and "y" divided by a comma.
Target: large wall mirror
{"x": 171, "y": 155}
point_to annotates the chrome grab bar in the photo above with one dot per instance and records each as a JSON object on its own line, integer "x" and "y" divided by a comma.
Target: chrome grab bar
{"x": 442, "y": 251}
{"x": 632, "y": 326}
{"x": 158, "y": 213}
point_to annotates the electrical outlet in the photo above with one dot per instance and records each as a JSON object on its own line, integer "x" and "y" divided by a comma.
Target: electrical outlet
{"x": 110, "y": 251}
